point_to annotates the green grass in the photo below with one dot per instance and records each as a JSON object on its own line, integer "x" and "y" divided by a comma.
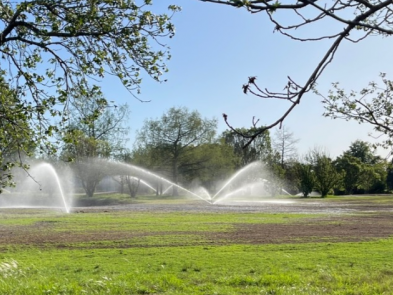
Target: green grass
{"x": 170, "y": 253}
{"x": 122, "y": 199}
{"x": 146, "y": 229}
{"x": 324, "y": 268}
{"x": 142, "y": 221}
{"x": 349, "y": 198}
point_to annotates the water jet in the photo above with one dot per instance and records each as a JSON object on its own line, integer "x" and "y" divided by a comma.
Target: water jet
{"x": 39, "y": 187}
{"x": 43, "y": 187}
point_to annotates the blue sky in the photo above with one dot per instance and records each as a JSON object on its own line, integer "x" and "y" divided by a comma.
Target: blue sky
{"x": 215, "y": 50}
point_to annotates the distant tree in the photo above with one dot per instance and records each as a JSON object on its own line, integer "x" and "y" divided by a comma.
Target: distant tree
{"x": 54, "y": 51}
{"x": 284, "y": 146}
{"x": 290, "y": 177}
{"x": 204, "y": 165}
{"x": 174, "y": 136}
{"x": 351, "y": 169}
{"x": 95, "y": 119}
{"x": 123, "y": 157}
{"x": 153, "y": 159}
{"x": 326, "y": 175}
{"x": 362, "y": 169}
{"x": 389, "y": 175}
{"x": 373, "y": 178}
{"x": 305, "y": 178}
{"x": 363, "y": 151}
{"x": 259, "y": 150}
{"x": 301, "y": 21}
{"x": 275, "y": 174}
{"x": 87, "y": 156}
{"x": 95, "y": 132}
{"x": 284, "y": 143}
{"x": 215, "y": 162}
{"x": 132, "y": 185}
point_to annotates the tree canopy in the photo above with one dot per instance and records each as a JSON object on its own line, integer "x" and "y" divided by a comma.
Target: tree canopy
{"x": 94, "y": 132}
{"x": 284, "y": 143}
{"x": 16, "y": 137}
{"x": 326, "y": 176}
{"x": 259, "y": 150}
{"x": 372, "y": 105}
{"x": 54, "y": 51}
{"x": 173, "y": 138}
{"x": 79, "y": 40}
{"x": 93, "y": 119}
{"x": 361, "y": 169}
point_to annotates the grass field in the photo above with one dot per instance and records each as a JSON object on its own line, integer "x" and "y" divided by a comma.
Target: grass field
{"x": 155, "y": 251}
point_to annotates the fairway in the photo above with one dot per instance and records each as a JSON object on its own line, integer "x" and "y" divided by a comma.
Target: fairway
{"x": 331, "y": 246}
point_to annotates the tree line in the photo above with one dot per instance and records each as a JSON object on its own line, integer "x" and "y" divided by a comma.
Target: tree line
{"x": 186, "y": 149}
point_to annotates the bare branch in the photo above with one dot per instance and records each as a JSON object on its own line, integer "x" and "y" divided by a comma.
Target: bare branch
{"x": 371, "y": 17}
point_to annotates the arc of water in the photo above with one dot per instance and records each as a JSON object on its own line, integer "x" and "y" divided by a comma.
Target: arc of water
{"x": 233, "y": 177}
{"x": 169, "y": 187}
{"x": 50, "y": 167}
{"x": 145, "y": 183}
{"x": 242, "y": 188}
{"x": 206, "y": 193}
{"x": 162, "y": 179}
{"x": 230, "y": 194}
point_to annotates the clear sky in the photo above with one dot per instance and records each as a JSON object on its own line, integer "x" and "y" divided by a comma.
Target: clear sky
{"x": 216, "y": 49}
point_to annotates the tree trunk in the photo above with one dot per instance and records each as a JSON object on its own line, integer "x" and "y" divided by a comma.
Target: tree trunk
{"x": 133, "y": 186}
{"x": 90, "y": 190}
{"x": 122, "y": 178}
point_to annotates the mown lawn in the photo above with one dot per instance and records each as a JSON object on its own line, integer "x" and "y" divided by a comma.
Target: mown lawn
{"x": 323, "y": 268}
{"x": 169, "y": 253}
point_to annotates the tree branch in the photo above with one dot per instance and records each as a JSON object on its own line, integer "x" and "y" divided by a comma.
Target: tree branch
{"x": 367, "y": 14}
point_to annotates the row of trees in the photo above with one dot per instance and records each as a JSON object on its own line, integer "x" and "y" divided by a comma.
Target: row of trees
{"x": 180, "y": 146}
{"x": 167, "y": 146}
{"x": 357, "y": 170}
{"x": 185, "y": 148}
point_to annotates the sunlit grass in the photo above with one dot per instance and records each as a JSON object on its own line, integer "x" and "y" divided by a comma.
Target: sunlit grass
{"x": 103, "y": 199}
{"x": 143, "y": 221}
{"x": 323, "y": 268}
{"x": 177, "y": 253}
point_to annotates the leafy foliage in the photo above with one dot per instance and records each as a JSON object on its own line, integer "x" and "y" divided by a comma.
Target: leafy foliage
{"x": 306, "y": 178}
{"x": 259, "y": 150}
{"x": 54, "y": 51}
{"x": 95, "y": 132}
{"x": 362, "y": 170}
{"x": 213, "y": 162}
{"x": 351, "y": 168}
{"x": 326, "y": 175}
{"x": 358, "y": 106}
{"x": 172, "y": 139}
{"x": 17, "y": 139}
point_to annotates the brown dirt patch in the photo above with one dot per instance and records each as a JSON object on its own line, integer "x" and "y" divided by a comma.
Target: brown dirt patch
{"x": 338, "y": 229}
{"x": 345, "y": 222}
